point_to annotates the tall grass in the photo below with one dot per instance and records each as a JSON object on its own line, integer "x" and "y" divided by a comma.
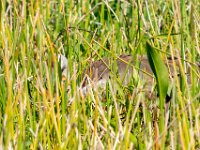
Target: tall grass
{"x": 39, "y": 111}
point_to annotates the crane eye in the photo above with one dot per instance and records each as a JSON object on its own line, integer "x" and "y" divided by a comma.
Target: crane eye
{"x": 62, "y": 69}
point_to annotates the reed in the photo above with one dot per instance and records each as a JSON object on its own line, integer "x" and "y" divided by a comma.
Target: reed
{"x": 40, "y": 111}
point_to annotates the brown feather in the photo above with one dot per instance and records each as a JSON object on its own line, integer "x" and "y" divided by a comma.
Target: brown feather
{"x": 101, "y": 69}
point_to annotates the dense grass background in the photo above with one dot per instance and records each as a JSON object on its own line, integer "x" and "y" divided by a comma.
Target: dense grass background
{"x": 36, "y": 111}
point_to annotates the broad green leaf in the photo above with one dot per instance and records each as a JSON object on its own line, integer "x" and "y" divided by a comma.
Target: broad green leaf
{"x": 161, "y": 73}
{"x": 159, "y": 69}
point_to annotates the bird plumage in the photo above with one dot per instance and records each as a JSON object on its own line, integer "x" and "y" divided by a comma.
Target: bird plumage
{"x": 99, "y": 71}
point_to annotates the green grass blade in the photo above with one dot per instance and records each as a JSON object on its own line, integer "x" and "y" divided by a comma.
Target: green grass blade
{"x": 161, "y": 73}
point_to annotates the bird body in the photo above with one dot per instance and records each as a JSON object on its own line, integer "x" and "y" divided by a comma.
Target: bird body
{"x": 101, "y": 70}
